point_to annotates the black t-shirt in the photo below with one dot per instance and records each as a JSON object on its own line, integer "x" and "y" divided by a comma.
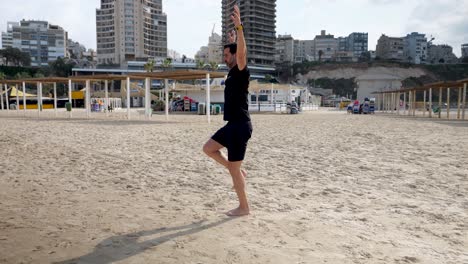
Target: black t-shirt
{"x": 236, "y": 102}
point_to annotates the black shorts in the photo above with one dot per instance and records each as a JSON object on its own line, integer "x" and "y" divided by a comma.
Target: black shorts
{"x": 234, "y": 136}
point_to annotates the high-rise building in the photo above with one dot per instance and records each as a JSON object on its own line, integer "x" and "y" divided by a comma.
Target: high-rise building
{"x": 7, "y": 37}
{"x": 357, "y": 43}
{"x": 129, "y": 30}
{"x": 415, "y": 48}
{"x": 390, "y": 48}
{"x": 259, "y": 19}
{"x": 44, "y": 42}
{"x": 464, "y": 50}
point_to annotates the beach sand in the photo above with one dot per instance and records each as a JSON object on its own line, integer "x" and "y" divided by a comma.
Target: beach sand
{"x": 324, "y": 187}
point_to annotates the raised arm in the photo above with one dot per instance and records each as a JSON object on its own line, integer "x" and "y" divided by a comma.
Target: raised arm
{"x": 241, "y": 55}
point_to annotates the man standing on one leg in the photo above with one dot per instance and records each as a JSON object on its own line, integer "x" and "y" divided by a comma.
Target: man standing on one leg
{"x": 237, "y": 132}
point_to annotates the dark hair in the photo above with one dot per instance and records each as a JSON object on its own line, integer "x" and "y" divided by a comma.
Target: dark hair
{"x": 232, "y": 47}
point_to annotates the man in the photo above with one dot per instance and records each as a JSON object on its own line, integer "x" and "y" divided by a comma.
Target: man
{"x": 236, "y": 133}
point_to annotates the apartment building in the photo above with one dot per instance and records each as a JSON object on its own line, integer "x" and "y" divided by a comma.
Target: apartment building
{"x": 129, "y": 30}
{"x": 44, "y": 42}
{"x": 390, "y": 48}
{"x": 441, "y": 54}
{"x": 415, "y": 48}
{"x": 464, "y": 50}
{"x": 259, "y": 20}
{"x": 326, "y": 46}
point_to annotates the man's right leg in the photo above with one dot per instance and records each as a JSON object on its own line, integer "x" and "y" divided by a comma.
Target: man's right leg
{"x": 212, "y": 150}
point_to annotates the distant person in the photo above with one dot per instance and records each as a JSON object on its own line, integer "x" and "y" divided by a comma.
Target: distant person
{"x": 237, "y": 132}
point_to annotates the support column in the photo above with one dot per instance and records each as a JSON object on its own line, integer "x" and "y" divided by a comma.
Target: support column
{"x": 106, "y": 95}
{"x": 424, "y": 110}
{"x": 128, "y": 98}
{"x": 17, "y": 99}
{"x": 398, "y": 103}
{"x": 404, "y": 103}
{"x": 7, "y": 99}
{"x": 208, "y": 98}
{"x": 414, "y": 102}
{"x": 464, "y": 101}
{"x": 147, "y": 98}
{"x": 459, "y": 102}
{"x": 410, "y": 102}
{"x": 70, "y": 96}
{"x": 430, "y": 102}
{"x": 55, "y": 98}
{"x": 440, "y": 102}
{"x": 448, "y": 103}
{"x": 39, "y": 99}
{"x": 24, "y": 98}
{"x": 166, "y": 99}
{"x": 1, "y": 95}
{"x": 88, "y": 98}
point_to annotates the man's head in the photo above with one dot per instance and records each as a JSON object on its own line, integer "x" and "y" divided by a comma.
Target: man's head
{"x": 230, "y": 51}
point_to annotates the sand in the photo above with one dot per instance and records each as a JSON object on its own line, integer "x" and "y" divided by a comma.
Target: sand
{"x": 324, "y": 187}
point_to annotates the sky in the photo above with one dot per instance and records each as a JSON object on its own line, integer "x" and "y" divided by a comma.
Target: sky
{"x": 190, "y": 22}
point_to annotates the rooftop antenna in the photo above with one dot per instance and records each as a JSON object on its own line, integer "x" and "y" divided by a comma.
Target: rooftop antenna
{"x": 212, "y": 31}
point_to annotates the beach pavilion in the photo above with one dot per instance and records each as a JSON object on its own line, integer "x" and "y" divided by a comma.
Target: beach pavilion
{"x": 179, "y": 75}
{"x": 390, "y": 101}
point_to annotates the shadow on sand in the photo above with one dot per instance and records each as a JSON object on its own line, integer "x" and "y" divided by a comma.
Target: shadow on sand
{"x": 117, "y": 248}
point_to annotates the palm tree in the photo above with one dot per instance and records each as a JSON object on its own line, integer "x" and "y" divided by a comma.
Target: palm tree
{"x": 214, "y": 65}
{"x": 320, "y": 53}
{"x": 167, "y": 63}
{"x": 200, "y": 64}
{"x": 149, "y": 66}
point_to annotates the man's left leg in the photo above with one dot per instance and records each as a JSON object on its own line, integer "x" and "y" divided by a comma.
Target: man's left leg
{"x": 239, "y": 185}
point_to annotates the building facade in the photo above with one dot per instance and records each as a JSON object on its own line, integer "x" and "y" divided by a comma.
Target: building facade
{"x": 326, "y": 46}
{"x": 358, "y": 43}
{"x": 464, "y": 50}
{"x": 7, "y": 37}
{"x": 284, "y": 49}
{"x": 415, "y": 48}
{"x": 130, "y": 30}
{"x": 259, "y": 20}
{"x": 44, "y": 42}
{"x": 441, "y": 54}
{"x": 389, "y": 48}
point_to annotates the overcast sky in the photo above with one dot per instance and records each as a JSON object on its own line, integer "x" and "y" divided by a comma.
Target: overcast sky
{"x": 190, "y": 22}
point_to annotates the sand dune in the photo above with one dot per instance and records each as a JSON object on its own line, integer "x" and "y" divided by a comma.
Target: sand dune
{"x": 324, "y": 187}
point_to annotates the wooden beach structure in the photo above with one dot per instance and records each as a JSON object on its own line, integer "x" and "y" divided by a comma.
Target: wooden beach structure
{"x": 404, "y": 101}
{"x": 178, "y": 75}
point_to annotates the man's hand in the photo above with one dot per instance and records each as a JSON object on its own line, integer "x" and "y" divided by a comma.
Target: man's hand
{"x": 235, "y": 17}
{"x": 232, "y": 36}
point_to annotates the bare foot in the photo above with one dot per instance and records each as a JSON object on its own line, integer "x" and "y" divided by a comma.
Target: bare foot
{"x": 238, "y": 212}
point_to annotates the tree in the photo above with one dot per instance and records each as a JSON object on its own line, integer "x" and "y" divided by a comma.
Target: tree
{"x": 167, "y": 63}
{"x": 320, "y": 53}
{"x": 15, "y": 56}
{"x": 2, "y": 76}
{"x": 61, "y": 67}
{"x": 442, "y": 61}
{"x": 149, "y": 66}
{"x": 200, "y": 64}
{"x": 214, "y": 65}
{"x": 22, "y": 75}
{"x": 410, "y": 59}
